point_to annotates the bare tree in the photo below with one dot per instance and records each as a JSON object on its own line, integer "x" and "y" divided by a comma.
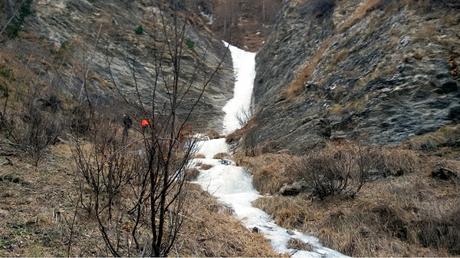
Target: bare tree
{"x": 137, "y": 186}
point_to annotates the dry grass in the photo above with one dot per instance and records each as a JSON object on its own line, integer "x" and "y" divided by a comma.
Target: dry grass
{"x": 206, "y": 166}
{"x": 361, "y": 11}
{"x": 296, "y": 86}
{"x": 210, "y": 230}
{"x": 236, "y": 135}
{"x": 357, "y": 105}
{"x": 222, "y": 155}
{"x": 213, "y": 134}
{"x": 446, "y": 136}
{"x": 269, "y": 170}
{"x": 299, "y": 245}
{"x": 407, "y": 214}
{"x": 199, "y": 156}
{"x": 36, "y": 203}
{"x": 386, "y": 219}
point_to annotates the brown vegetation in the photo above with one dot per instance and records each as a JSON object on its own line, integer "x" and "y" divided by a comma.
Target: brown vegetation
{"x": 299, "y": 245}
{"x": 296, "y": 86}
{"x": 206, "y": 166}
{"x": 213, "y": 134}
{"x": 210, "y": 230}
{"x": 440, "y": 141}
{"x": 191, "y": 174}
{"x": 392, "y": 217}
{"x": 222, "y": 155}
{"x": 362, "y": 10}
{"x": 401, "y": 209}
{"x": 37, "y": 207}
{"x": 199, "y": 156}
{"x": 269, "y": 171}
{"x": 335, "y": 170}
{"x": 236, "y": 135}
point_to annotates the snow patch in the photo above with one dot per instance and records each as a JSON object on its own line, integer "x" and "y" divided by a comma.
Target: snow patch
{"x": 232, "y": 185}
{"x": 244, "y": 64}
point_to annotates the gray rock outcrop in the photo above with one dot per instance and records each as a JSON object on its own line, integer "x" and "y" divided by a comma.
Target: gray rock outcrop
{"x": 63, "y": 38}
{"x": 374, "y": 71}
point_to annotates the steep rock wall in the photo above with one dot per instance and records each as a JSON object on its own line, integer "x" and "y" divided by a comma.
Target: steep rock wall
{"x": 63, "y": 39}
{"x": 368, "y": 70}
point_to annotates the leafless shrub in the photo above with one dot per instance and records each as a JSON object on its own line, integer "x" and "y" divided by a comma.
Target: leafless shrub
{"x": 40, "y": 131}
{"x": 335, "y": 170}
{"x": 32, "y": 130}
{"x": 79, "y": 120}
{"x": 136, "y": 186}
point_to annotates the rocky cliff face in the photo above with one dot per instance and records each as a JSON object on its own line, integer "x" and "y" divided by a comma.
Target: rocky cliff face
{"x": 377, "y": 71}
{"x": 65, "y": 41}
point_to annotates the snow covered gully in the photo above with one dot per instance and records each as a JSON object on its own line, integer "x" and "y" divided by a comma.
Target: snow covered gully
{"x": 232, "y": 185}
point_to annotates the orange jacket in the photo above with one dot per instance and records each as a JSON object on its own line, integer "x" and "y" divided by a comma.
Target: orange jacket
{"x": 145, "y": 123}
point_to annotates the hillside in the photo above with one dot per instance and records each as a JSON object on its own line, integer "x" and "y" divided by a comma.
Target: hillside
{"x": 69, "y": 42}
{"x": 324, "y": 128}
{"x": 376, "y": 71}
{"x": 354, "y": 133}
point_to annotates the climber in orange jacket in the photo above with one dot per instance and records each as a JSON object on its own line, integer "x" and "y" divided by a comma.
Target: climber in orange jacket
{"x": 145, "y": 123}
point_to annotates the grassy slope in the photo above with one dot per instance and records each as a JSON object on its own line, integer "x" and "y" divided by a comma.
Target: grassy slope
{"x": 36, "y": 205}
{"x": 410, "y": 215}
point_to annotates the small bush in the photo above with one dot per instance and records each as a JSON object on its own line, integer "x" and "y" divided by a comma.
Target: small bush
{"x": 222, "y": 155}
{"x": 190, "y": 44}
{"x": 139, "y": 30}
{"x": 191, "y": 174}
{"x": 206, "y": 166}
{"x": 34, "y": 131}
{"x": 79, "y": 120}
{"x": 335, "y": 170}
